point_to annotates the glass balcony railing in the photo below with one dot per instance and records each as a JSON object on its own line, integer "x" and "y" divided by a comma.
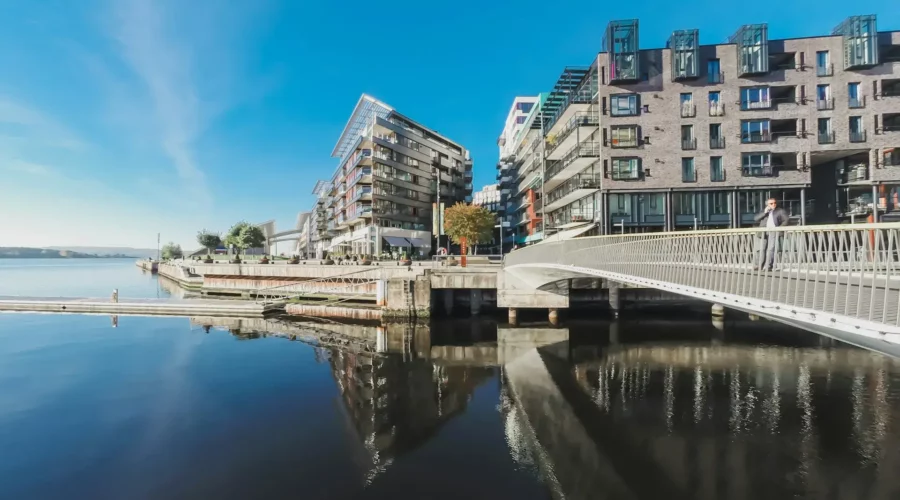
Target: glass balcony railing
{"x": 751, "y": 105}
{"x": 583, "y": 150}
{"x": 858, "y": 136}
{"x": 581, "y": 181}
{"x": 581, "y": 119}
{"x": 359, "y": 174}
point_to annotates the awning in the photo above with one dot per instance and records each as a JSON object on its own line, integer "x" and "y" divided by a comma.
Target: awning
{"x": 570, "y": 233}
{"x": 396, "y": 241}
{"x": 419, "y": 243}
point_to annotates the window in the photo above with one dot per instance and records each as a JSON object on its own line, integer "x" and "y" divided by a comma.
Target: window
{"x": 755, "y": 98}
{"x": 684, "y": 203}
{"x": 626, "y": 168}
{"x": 714, "y": 71}
{"x": 856, "y": 99}
{"x": 754, "y": 131}
{"x": 687, "y": 170}
{"x": 687, "y": 137}
{"x": 756, "y": 164}
{"x": 719, "y": 203}
{"x": 624, "y": 104}
{"x": 624, "y": 137}
{"x": 521, "y": 119}
{"x": 716, "y": 169}
{"x": 524, "y": 107}
{"x": 823, "y": 92}
{"x": 857, "y": 131}
{"x": 687, "y": 105}
{"x": 715, "y": 97}
{"x": 826, "y": 135}
{"x": 823, "y": 63}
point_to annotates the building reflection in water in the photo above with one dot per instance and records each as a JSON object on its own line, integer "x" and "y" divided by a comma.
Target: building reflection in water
{"x": 393, "y": 396}
{"x": 745, "y": 421}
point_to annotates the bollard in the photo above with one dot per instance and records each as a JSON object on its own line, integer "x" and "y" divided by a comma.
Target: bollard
{"x": 115, "y": 295}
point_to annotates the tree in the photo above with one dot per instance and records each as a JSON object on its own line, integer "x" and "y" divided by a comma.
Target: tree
{"x": 244, "y": 235}
{"x": 474, "y": 223}
{"x": 209, "y": 240}
{"x": 171, "y": 251}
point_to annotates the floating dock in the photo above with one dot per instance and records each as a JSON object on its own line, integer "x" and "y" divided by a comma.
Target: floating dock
{"x": 140, "y": 307}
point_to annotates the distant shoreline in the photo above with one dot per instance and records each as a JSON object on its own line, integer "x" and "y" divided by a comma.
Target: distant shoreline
{"x": 50, "y": 253}
{"x": 69, "y": 257}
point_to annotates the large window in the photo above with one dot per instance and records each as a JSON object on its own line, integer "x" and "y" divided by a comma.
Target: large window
{"x": 716, "y": 169}
{"x": 714, "y": 71}
{"x": 687, "y": 170}
{"x": 823, "y": 63}
{"x": 754, "y": 131}
{"x": 719, "y": 203}
{"x": 626, "y": 168}
{"x": 624, "y": 104}
{"x": 756, "y": 164}
{"x": 624, "y": 137}
{"x": 524, "y": 107}
{"x": 755, "y": 98}
{"x": 685, "y": 203}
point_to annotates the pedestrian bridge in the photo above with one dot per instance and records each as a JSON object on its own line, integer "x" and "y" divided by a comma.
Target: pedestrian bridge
{"x": 842, "y": 281}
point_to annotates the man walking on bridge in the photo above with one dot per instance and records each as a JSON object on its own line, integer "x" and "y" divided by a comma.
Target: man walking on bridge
{"x": 773, "y": 216}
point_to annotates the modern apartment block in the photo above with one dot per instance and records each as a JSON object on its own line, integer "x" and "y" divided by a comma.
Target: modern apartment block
{"x": 391, "y": 171}
{"x": 521, "y": 115}
{"x": 695, "y": 135}
{"x": 701, "y": 135}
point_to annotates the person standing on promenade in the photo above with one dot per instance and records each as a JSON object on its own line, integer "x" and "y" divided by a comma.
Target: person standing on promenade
{"x": 772, "y": 216}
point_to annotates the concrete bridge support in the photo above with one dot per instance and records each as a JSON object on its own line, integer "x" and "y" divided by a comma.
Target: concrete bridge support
{"x": 447, "y": 296}
{"x": 615, "y": 299}
{"x": 513, "y": 316}
{"x": 475, "y": 297}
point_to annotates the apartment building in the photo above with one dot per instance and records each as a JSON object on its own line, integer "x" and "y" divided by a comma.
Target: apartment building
{"x": 392, "y": 172}
{"x": 701, "y": 135}
{"x": 517, "y": 122}
{"x": 695, "y": 135}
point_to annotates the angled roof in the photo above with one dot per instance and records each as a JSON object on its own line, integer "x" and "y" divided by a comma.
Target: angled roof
{"x": 365, "y": 109}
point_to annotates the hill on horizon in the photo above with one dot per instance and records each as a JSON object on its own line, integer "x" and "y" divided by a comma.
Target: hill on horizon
{"x": 141, "y": 253}
{"x": 49, "y": 253}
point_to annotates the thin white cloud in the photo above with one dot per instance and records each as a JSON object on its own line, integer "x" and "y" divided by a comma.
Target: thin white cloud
{"x": 29, "y": 168}
{"x": 34, "y": 127}
{"x": 165, "y": 68}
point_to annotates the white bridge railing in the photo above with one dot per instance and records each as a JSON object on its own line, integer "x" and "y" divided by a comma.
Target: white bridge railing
{"x": 355, "y": 283}
{"x": 842, "y": 276}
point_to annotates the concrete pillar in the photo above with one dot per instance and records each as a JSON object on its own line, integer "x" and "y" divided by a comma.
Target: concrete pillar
{"x": 615, "y": 300}
{"x": 448, "y": 301}
{"x": 718, "y": 311}
{"x": 553, "y": 316}
{"x": 380, "y": 289}
{"x": 614, "y": 333}
{"x": 513, "y": 316}
{"x": 475, "y": 301}
{"x": 803, "y": 206}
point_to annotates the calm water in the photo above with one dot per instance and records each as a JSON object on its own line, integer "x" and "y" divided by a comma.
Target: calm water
{"x": 217, "y": 408}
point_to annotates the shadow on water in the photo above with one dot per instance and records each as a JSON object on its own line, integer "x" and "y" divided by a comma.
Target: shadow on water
{"x": 637, "y": 408}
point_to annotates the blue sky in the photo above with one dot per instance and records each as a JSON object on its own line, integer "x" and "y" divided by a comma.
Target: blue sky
{"x": 123, "y": 118}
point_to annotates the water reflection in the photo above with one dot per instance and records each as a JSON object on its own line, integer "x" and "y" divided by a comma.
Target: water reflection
{"x": 624, "y": 409}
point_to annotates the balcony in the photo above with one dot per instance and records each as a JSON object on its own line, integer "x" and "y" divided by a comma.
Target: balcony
{"x": 756, "y": 137}
{"x": 689, "y": 144}
{"x": 576, "y": 160}
{"x": 858, "y": 136}
{"x": 764, "y": 170}
{"x": 717, "y": 142}
{"x": 688, "y": 110}
{"x": 826, "y": 137}
{"x": 358, "y": 211}
{"x": 716, "y": 108}
{"x": 574, "y": 189}
{"x": 827, "y": 70}
{"x": 364, "y": 193}
{"x": 824, "y": 104}
{"x": 360, "y": 176}
{"x": 579, "y": 127}
{"x": 856, "y": 102}
{"x": 755, "y": 105}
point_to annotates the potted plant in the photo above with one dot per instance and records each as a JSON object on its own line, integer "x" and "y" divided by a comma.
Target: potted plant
{"x": 404, "y": 259}
{"x": 452, "y": 262}
{"x": 210, "y": 241}
{"x": 264, "y": 259}
{"x": 366, "y": 260}
{"x": 295, "y": 259}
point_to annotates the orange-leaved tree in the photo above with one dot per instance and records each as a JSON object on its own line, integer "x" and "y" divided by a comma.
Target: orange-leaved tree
{"x": 469, "y": 223}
